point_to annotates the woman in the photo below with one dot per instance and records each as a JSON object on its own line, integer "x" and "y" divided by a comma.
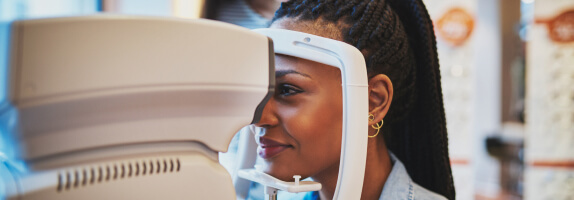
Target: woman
{"x": 302, "y": 122}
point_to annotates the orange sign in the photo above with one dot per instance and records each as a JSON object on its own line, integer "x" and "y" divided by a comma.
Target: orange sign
{"x": 561, "y": 28}
{"x": 455, "y": 26}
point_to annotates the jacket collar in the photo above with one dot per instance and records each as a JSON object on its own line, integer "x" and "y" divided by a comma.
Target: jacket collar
{"x": 399, "y": 184}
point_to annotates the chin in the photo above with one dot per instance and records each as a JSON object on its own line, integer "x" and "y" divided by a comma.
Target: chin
{"x": 282, "y": 172}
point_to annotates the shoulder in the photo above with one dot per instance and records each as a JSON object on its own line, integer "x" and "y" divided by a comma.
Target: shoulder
{"x": 399, "y": 185}
{"x": 421, "y": 193}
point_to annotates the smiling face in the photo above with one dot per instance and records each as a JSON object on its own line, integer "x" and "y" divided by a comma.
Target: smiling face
{"x": 302, "y": 121}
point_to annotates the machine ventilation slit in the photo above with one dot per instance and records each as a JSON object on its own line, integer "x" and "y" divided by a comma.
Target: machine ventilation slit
{"x": 108, "y": 173}
{"x": 130, "y": 168}
{"x": 116, "y": 172}
{"x": 159, "y": 166}
{"x": 178, "y": 164}
{"x": 100, "y": 174}
{"x": 164, "y": 166}
{"x": 76, "y": 178}
{"x": 171, "y": 167}
{"x": 137, "y": 169}
{"x": 93, "y": 176}
{"x": 123, "y": 170}
{"x": 150, "y": 167}
{"x": 144, "y": 170}
{"x": 84, "y": 177}
{"x": 68, "y": 181}
{"x": 60, "y": 182}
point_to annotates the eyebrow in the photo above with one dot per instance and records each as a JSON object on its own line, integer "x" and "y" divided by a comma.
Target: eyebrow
{"x": 282, "y": 73}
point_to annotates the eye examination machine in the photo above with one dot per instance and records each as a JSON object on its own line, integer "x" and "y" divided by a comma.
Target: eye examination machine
{"x": 126, "y": 107}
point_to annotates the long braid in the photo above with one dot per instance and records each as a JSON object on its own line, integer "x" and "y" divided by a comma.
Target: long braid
{"x": 397, "y": 39}
{"x": 414, "y": 12}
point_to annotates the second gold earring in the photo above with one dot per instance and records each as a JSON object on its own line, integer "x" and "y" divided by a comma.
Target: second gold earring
{"x": 376, "y": 126}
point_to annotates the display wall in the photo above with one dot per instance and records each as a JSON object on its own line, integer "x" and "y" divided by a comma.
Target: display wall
{"x": 454, "y": 23}
{"x": 550, "y": 102}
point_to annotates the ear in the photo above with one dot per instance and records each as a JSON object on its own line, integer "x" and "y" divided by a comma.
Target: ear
{"x": 380, "y": 96}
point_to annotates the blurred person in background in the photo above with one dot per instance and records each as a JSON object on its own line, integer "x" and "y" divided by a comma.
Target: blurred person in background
{"x": 250, "y": 14}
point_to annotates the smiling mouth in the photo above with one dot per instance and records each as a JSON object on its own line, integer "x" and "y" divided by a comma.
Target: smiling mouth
{"x": 267, "y": 152}
{"x": 269, "y": 148}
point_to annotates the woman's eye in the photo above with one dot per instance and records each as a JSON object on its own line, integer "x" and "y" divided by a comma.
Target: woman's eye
{"x": 288, "y": 90}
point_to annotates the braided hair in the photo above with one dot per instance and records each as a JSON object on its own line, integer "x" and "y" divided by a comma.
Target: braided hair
{"x": 397, "y": 39}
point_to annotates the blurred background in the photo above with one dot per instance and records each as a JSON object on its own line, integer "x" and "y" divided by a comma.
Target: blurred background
{"x": 507, "y": 78}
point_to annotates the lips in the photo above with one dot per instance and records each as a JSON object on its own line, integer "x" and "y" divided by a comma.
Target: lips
{"x": 269, "y": 148}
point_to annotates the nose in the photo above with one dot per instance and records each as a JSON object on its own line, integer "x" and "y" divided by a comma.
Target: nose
{"x": 269, "y": 116}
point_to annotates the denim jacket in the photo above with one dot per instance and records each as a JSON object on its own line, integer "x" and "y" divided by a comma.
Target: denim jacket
{"x": 398, "y": 186}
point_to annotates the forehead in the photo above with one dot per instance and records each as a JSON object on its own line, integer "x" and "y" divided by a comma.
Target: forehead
{"x": 290, "y": 62}
{"x": 315, "y": 70}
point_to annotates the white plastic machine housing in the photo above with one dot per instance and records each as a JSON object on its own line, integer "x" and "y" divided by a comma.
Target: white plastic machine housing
{"x": 355, "y": 104}
{"x": 124, "y": 107}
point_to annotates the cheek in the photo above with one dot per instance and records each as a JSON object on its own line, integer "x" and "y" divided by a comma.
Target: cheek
{"x": 316, "y": 128}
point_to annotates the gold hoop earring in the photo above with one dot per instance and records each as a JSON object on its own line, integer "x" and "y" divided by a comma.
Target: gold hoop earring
{"x": 377, "y": 127}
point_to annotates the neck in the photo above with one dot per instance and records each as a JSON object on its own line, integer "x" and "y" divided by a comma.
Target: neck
{"x": 377, "y": 170}
{"x": 266, "y": 8}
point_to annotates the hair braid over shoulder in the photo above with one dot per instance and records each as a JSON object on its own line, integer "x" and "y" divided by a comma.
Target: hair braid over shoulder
{"x": 397, "y": 39}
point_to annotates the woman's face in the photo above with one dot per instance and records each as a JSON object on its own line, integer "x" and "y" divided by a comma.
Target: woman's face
{"x": 302, "y": 121}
